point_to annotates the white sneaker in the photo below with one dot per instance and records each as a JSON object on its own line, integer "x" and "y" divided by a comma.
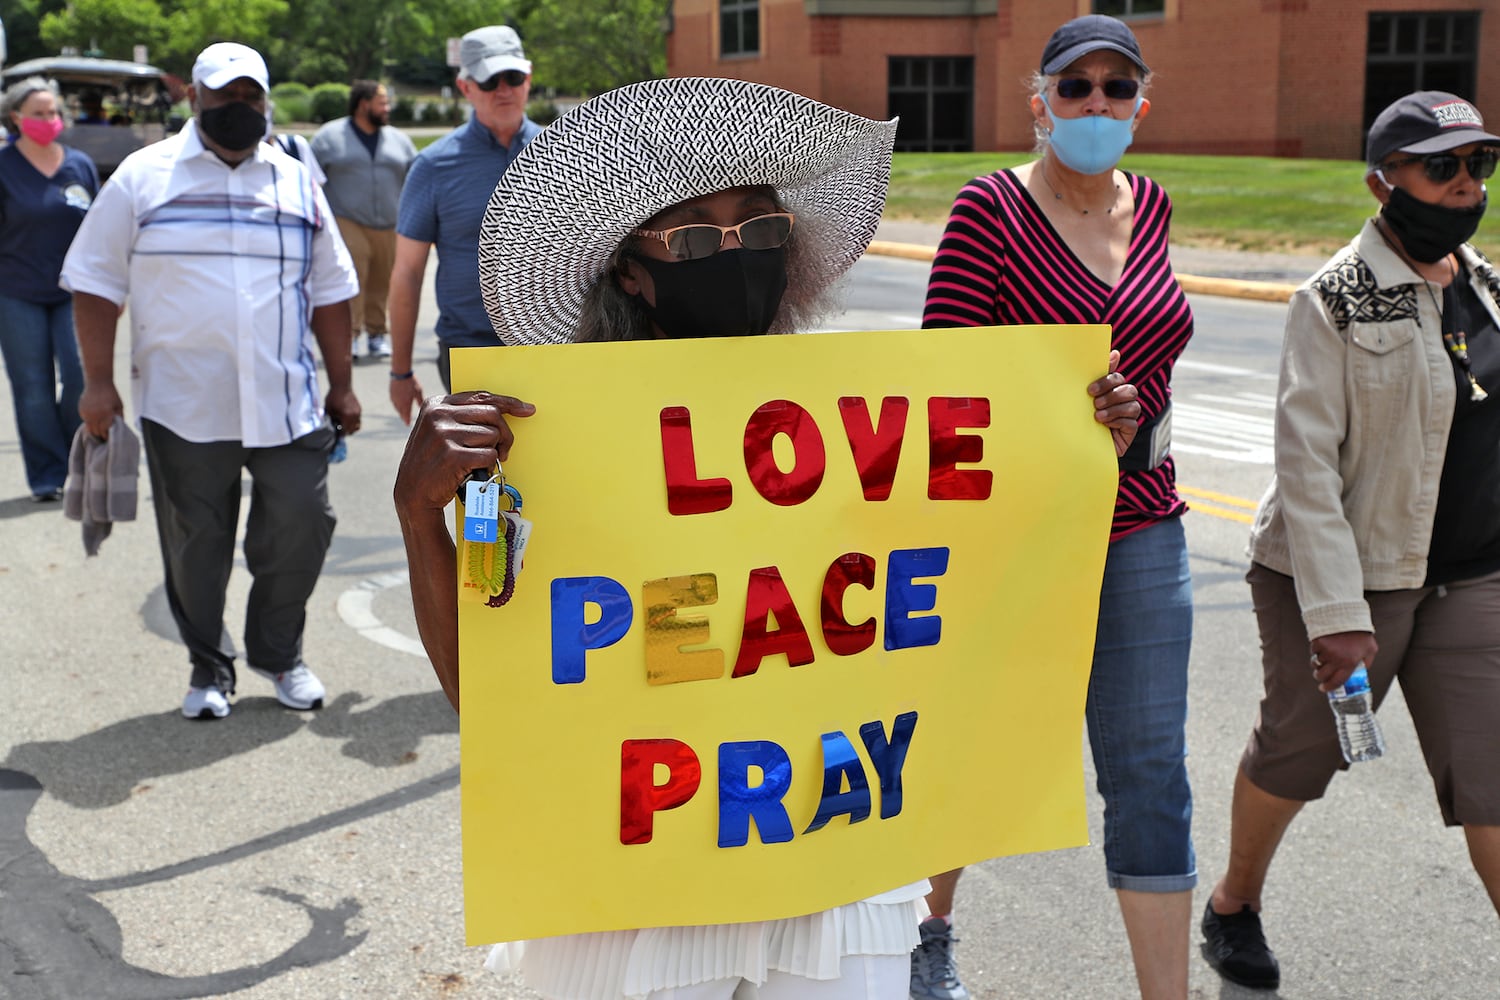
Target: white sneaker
{"x": 297, "y": 688}
{"x": 380, "y": 345}
{"x": 354, "y": 352}
{"x": 205, "y": 703}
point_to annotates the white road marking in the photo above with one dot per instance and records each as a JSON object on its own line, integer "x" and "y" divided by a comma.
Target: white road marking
{"x": 356, "y": 606}
{"x": 1208, "y": 368}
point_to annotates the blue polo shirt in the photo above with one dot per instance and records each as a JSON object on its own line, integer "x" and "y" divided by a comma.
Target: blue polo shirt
{"x": 443, "y": 203}
{"x": 38, "y": 217}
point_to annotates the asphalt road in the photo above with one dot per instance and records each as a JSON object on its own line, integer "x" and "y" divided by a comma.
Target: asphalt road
{"x": 286, "y": 855}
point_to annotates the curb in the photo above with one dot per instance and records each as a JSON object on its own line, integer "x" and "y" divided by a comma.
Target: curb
{"x": 1232, "y": 288}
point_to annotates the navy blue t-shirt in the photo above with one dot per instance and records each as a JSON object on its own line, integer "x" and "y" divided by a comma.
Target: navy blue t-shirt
{"x": 38, "y": 217}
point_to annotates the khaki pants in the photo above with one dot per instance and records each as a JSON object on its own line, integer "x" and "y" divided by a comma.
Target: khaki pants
{"x": 374, "y": 253}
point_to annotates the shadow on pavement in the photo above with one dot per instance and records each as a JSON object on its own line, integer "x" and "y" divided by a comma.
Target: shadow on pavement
{"x": 23, "y": 505}
{"x": 387, "y": 734}
{"x": 56, "y": 940}
{"x": 101, "y": 769}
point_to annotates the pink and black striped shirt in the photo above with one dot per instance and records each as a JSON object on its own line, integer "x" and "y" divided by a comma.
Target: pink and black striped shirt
{"x": 1002, "y": 263}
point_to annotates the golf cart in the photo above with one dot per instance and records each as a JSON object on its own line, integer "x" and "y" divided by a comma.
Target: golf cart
{"x": 139, "y": 107}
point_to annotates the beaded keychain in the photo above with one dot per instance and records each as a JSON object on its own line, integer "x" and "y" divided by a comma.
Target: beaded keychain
{"x": 492, "y": 555}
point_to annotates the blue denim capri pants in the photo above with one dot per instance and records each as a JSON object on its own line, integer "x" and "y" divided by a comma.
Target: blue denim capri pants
{"x": 1137, "y": 711}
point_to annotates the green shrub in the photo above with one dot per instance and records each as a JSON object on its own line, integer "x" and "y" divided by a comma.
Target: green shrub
{"x": 293, "y": 109}
{"x": 440, "y": 112}
{"x": 404, "y": 111}
{"x": 542, "y": 111}
{"x": 330, "y": 101}
{"x": 289, "y": 88}
{"x": 291, "y": 102}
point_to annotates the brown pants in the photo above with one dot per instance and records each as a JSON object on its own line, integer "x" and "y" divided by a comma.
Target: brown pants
{"x": 374, "y": 253}
{"x": 1441, "y": 643}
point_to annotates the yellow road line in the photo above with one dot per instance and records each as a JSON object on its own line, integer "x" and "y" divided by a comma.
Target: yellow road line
{"x": 1221, "y": 498}
{"x": 1227, "y": 504}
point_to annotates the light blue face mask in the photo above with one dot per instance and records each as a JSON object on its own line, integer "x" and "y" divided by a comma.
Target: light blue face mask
{"x": 1091, "y": 144}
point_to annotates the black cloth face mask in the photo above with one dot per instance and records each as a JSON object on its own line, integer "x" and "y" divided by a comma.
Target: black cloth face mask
{"x": 1430, "y": 232}
{"x": 733, "y": 293}
{"x": 236, "y": 126}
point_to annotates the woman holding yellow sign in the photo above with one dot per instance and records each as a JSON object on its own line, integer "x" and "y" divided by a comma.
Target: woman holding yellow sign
{"x": 613, "y": 225}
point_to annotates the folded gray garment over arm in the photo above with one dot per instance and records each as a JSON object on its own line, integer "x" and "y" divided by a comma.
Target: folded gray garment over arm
{"x": 103, "y": 480}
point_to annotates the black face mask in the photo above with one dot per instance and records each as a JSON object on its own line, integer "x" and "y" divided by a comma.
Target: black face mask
{"x": 234, "y": 126}
{"x": 1430, "y": 232}
{"x": 733, "y": 293}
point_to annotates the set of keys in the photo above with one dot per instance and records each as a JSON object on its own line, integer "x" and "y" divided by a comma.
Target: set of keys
{"x": 494, "y": 538}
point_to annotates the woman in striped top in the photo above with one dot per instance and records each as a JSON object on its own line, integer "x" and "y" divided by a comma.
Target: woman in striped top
{"x": 1069, "y": 238}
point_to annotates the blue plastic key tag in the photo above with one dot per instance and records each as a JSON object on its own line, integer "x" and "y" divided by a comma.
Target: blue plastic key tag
{"x": 482, "y": 511}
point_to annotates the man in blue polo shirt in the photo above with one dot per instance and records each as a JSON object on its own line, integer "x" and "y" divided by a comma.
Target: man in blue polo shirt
{"x": 443, "y": 205}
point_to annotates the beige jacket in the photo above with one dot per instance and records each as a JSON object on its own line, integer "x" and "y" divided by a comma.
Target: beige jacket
{"x": 1364, "y": 407}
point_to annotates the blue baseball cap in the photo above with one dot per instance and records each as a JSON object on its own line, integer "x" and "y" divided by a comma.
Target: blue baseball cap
{"x": 1086, "y": 34}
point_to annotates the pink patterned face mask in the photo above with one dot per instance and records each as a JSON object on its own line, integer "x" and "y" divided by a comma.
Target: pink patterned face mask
{"x": 41, "y": 130}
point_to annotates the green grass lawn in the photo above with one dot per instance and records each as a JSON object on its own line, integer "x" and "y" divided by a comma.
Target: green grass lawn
{"x": 1240, "y": 202}
{"x": 1244, "y": 202}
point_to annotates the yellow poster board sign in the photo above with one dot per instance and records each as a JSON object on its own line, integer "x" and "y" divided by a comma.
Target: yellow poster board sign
{"x": 801, "y": 620}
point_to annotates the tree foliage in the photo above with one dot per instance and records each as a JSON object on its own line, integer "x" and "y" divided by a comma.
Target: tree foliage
{"x": 108, "y": 27}
{"x": 351, "y": 34}
{"x": 194, "y": 24}
{"x": 23, "y": 36}
{"x": 587, "y": 46}
{"x": 577, "y": 46}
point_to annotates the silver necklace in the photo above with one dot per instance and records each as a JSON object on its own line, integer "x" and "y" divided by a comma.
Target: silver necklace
{"x": 1083, "y": 211}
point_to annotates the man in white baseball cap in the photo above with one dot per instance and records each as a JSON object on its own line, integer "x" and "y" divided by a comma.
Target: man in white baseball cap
{"x": 224, "y": 62}
{"x": 236, "y": 284}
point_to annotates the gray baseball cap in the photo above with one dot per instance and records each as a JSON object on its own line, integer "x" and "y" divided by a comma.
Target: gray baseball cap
{"x": 484, "y": 52}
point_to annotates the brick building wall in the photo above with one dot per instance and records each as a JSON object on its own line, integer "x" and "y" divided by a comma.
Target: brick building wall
{"x": 1233, "y": 77}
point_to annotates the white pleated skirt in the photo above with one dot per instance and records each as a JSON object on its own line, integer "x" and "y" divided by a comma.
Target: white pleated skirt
{"x": 631, "y": 965}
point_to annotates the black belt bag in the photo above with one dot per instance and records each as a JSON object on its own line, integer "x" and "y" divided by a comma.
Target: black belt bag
{"x": 1152, "y": 444}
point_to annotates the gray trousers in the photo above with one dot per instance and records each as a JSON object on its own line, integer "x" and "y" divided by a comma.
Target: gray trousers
{"x": 195, "y": 489}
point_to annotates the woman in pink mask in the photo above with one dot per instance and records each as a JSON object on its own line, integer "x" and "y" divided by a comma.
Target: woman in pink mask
{"x": 45, "y": 187}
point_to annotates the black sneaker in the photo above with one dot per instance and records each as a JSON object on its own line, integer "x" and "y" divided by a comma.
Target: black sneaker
{"x": 1236, "y": 947}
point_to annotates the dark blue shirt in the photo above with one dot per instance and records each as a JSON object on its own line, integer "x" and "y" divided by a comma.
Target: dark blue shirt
{"x": 370, "y": 140}
{"x": 443, "y": 203}
{"x": 38, "y": 217}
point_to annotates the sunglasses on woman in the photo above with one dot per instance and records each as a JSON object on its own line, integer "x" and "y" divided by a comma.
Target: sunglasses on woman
{"x": 1076, "y": 88}
{"x": 1443, "y": 167}
{"x": 510, "y": 77}
{"x": 701, "y": 239}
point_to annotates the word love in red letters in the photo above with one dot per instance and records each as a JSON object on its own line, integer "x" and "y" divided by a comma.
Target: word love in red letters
{"x": 875, "y": 446}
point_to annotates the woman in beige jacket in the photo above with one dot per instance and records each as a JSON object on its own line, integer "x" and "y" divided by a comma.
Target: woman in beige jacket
{"x": 1381, "y": 531}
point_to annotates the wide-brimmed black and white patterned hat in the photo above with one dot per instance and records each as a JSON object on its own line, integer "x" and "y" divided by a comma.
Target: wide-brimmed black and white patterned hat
{"x": 562, "y": 208}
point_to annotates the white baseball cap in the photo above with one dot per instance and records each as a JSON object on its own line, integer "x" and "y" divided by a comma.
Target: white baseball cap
{"x": 222, "y": 63}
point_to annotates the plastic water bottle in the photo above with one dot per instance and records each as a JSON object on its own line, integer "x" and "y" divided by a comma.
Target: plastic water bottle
{"x": 1354, "y": 714}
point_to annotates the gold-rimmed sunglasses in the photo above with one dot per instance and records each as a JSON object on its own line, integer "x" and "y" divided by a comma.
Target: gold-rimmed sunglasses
{"x": 702, "y": 239}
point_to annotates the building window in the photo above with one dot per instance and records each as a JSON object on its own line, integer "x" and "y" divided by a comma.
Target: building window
{"x": 1131, "y": 8}
{"x": 934, "y": 98}
{"x": 739, "y": 27}
{"x": 1406, "y": 52}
